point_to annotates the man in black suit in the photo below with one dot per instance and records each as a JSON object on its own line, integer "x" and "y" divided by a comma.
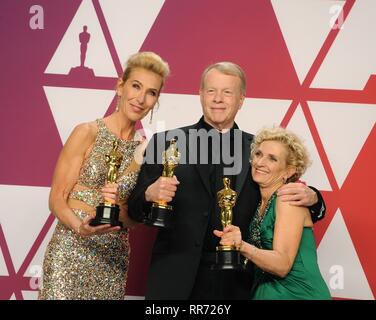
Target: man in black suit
{"x": 211, "y": 149}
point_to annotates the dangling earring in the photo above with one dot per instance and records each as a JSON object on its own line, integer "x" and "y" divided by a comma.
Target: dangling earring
{"x": 117, "y": 104}
{"x": 151, "y": 116}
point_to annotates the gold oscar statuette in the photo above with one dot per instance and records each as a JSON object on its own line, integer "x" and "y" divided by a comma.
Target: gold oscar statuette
{"x": 161, "y": 213}
{"x": 108, "y": 211}
{"x": 227, "y": 257}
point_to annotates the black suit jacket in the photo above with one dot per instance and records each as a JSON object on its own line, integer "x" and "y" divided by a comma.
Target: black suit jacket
{"x": 177, "y": 252}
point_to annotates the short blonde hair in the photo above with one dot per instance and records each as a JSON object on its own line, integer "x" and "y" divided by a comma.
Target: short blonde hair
{"x": 149, "y": 61}
{"x": 228, "y": 68}
{"x": 297, "y": 153}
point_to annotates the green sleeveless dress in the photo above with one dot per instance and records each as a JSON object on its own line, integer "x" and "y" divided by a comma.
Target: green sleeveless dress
{"x": 304, "y": 280}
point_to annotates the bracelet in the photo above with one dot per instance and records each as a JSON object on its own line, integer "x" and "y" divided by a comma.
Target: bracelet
{"x": 239, "y": 246}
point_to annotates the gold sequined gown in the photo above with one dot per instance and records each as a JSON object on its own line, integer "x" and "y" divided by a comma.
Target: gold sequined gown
{"x": 93, "y": 267}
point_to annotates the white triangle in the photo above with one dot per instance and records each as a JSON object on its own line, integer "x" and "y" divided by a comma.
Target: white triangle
{"x": 36, "y": 266}
{"x": 67, "y": 54}
{"x": 23, "y": 222}
{"x": 30, "y": 295}
{"x": 3, "y": 266}
{"x": 170, "y": 113}
{"x": 351, "y": 59}
{"x": 72, "y": 106}
{"x": 13, "y": 297}
{"x": 339, "y": 263}
{"x": 258, "y": 113}
{"x": 344, "y": 140}
{"x": 315, "y": 174}
{"x": 305, "y": 26}
{"x": 129, "y": 23}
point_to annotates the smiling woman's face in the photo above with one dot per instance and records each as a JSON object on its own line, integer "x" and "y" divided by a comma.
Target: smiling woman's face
{"x": 269, "y": 164}
{"x": 139, "y": 93}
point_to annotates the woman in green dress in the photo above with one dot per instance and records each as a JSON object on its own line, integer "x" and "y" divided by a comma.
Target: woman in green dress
{"x": 282, "y": 245}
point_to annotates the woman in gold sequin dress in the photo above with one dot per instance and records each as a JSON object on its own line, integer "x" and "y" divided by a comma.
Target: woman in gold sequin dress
{"x": 81, "y": 261}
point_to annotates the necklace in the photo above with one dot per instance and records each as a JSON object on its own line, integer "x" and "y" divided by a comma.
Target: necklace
{"x": 255, "y": 226}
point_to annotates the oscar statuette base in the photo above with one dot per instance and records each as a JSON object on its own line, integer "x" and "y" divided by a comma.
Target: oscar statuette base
{"x": 107, "y": 213}
{"x": 160, "y": 216}
{"x": 227, "y": 258}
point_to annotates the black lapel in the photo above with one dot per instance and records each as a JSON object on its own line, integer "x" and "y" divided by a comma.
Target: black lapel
{"x": 202, "y": 169}
{"x": 244, "y": 173}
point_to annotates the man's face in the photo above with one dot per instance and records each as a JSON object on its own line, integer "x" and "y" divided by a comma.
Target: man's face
{"x": 221, "y": 99}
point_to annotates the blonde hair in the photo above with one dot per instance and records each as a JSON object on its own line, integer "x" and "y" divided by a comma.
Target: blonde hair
{"x": 228, "y": 68}
{"x": 297, "y": 153}
{"x": 149, "y": 61}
